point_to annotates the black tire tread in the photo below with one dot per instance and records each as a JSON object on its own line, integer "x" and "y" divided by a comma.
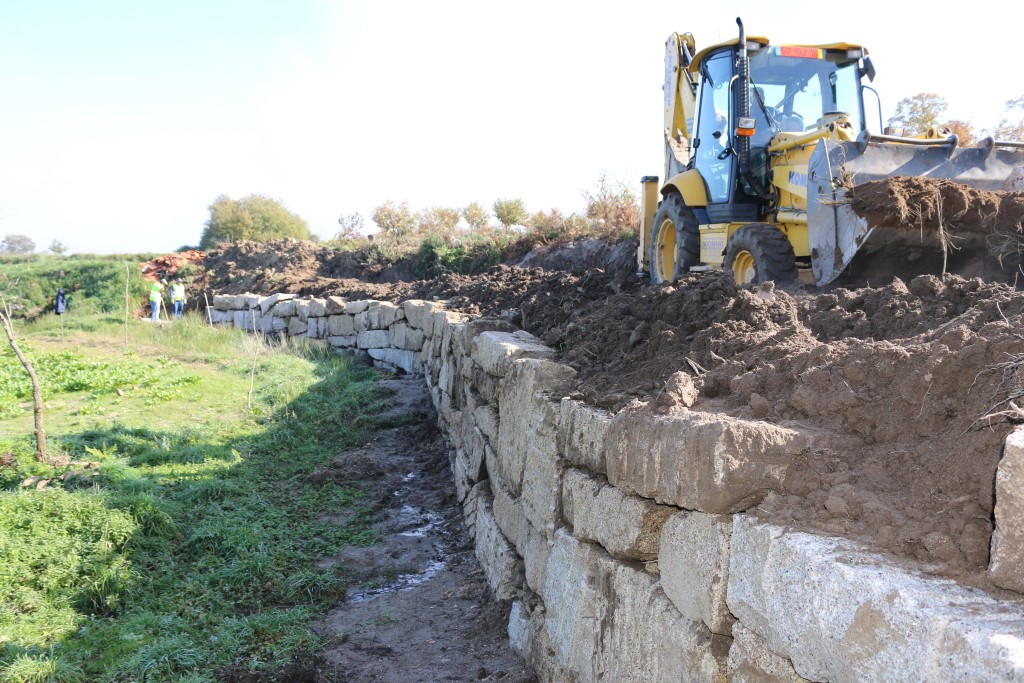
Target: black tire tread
{"x": 771, "y": 249}
{"x": 673, "y": 208}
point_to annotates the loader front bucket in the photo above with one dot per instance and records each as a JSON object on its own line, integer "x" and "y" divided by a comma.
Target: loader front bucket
{"x": 836, "y": 232}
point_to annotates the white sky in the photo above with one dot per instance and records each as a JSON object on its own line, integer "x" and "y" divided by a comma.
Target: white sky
{"x": 122, "y": 121}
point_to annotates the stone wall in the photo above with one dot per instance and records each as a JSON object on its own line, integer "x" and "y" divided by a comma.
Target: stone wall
{"x": 621, "y": 541}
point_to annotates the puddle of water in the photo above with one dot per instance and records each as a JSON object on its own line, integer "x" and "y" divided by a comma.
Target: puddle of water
{"x": 424, "y": 524}
{"x": 405, "y": 582}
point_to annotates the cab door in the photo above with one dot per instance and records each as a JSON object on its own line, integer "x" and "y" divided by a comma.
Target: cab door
{"x": 712, "y": 155}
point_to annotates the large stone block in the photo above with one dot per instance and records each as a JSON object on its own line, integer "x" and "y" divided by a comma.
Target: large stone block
{"x": 485, "y": 384}
{"x": 248, "y": 320}
{"x": 269, "y": 302}
{"x": 842, "y": 614}
{"x": 405, "y": 337}
{"x": 284, "y": 308}
{"x": 501, "y": 564}
{"x": 694, "y": 565}
{"x": 225, "y": 302}
{"x": 440, "y": 326}
{"x": 342, "y": 342}
{"x": 417, "y": 311}
{"x": 355, "y": 307}
{"x": 508, "y": 512}
{"x": 528, "y": 411}
{"x": 751, "y": 661}
{"x": 219, "y": 317}
{"x": 570, "y": 599}
{"x": 317, "y": 308}
{"x": 297, "y": 327}
{"x": 626, "y": 526}
{"x": 643, "y": 637}
{"x": 494, "y": 352}
{"x": 1007, "y": 566}
{"x": 302, "y": 309}
{"x": 462, "y": 343}
{"x": 406, "y": 360}
{"x": 582, "y": 431}
{"x": 340, "y": 326}
{"x": 486, "y": 417}
{"x": 387, "y": 314}
{"x": 313, "y": 327}
{"x": 249, "y": 301}
{"x": 373, "y": 339}
{"x": 335, "y": 305}
{"x": 699, "y": 461}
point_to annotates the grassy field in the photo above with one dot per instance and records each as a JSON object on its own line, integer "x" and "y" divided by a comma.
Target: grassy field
{"x": 172, "y": 532}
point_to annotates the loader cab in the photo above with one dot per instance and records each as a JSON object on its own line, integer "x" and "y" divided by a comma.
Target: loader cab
{"x": 793, "y": 90}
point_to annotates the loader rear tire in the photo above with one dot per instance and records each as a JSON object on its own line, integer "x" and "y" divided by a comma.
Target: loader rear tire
{"x": 675, "y": 240}
{"x": 759, "y": 253}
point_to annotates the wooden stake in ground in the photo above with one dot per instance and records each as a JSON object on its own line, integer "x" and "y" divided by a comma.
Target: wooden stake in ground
{"x": 209, "y": 315}
{"x": 127, "y": 301}
{"x": 37, "y": 391}
{"x": 255, "y": 355}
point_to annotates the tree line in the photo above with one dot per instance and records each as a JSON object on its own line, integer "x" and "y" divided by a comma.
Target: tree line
{"x": 920, "y": 112}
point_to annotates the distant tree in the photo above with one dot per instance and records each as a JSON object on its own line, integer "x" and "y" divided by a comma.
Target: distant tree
{"x": 439, "y": 221}
{"x": 1012, "y": 125}
{"x": 546, "y": 224}
{"x": 613, "y": 205}
{"x": 510, "y": 212}
{"x": 255, "y": 217}
{"x": 57, "y": 247}
{"x": 476, "y": 216}
{"x": 964, "y": 131}
{"x": 17, "y": 244}
{"x": 351, "y": 226}
{"x": 919, "y": 113}
{"x": 395, "y": 220}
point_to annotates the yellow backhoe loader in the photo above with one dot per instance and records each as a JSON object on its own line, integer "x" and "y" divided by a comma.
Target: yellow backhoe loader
{"x": 762, "y": 143}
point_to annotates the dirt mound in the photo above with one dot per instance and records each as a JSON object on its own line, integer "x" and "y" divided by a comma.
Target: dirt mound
{"x": 937, "y": 204}
{"x": 901, "y": 387}
{"x": 168, "y": 265}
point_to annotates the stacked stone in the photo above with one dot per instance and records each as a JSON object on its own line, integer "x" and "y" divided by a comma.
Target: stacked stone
{"x": 621, "y": 541}
{"x": 378, "y": 328}
{"x": 622, "y": 544}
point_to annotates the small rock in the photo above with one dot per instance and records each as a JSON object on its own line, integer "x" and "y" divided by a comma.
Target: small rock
{"x": 926, "y": 285}
{"x": 679, "y": 391}
{"x": 760, "y": 405}
{"x": 837, "y": 506}
{"x": 941, "y": 546}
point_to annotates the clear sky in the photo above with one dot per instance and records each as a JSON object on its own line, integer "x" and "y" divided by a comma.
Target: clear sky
{"x": 121, "y": 121}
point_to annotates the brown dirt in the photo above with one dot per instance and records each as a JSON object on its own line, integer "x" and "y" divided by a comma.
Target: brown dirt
{"x": 418, "y": 606}
{"x": 928, "y": 204}
{"x": 902, "y": 386}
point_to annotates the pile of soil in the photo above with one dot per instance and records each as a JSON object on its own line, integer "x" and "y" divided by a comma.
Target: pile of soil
{"x": 907, "y": 390}
{"x": 934, "y": 204}
{"x": 169, "y": 264}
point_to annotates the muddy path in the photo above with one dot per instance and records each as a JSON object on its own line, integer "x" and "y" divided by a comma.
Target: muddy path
{"x": 418, "y": 607}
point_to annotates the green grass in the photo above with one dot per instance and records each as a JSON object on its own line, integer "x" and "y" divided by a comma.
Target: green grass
{"x": 91, "y": 283}
{"x": 175, "y": 531}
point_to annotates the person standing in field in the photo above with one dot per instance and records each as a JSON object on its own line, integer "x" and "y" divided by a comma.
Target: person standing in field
{"x": 156, "y": 296}
{"x": 178, "y": 297}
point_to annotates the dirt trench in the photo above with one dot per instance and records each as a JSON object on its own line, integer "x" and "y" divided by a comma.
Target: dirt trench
{"x": 418, "y": 607}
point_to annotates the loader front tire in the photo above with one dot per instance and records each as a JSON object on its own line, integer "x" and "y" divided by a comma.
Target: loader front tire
{"x": 675, "y": 240}
{"x": 759, "y": 253}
